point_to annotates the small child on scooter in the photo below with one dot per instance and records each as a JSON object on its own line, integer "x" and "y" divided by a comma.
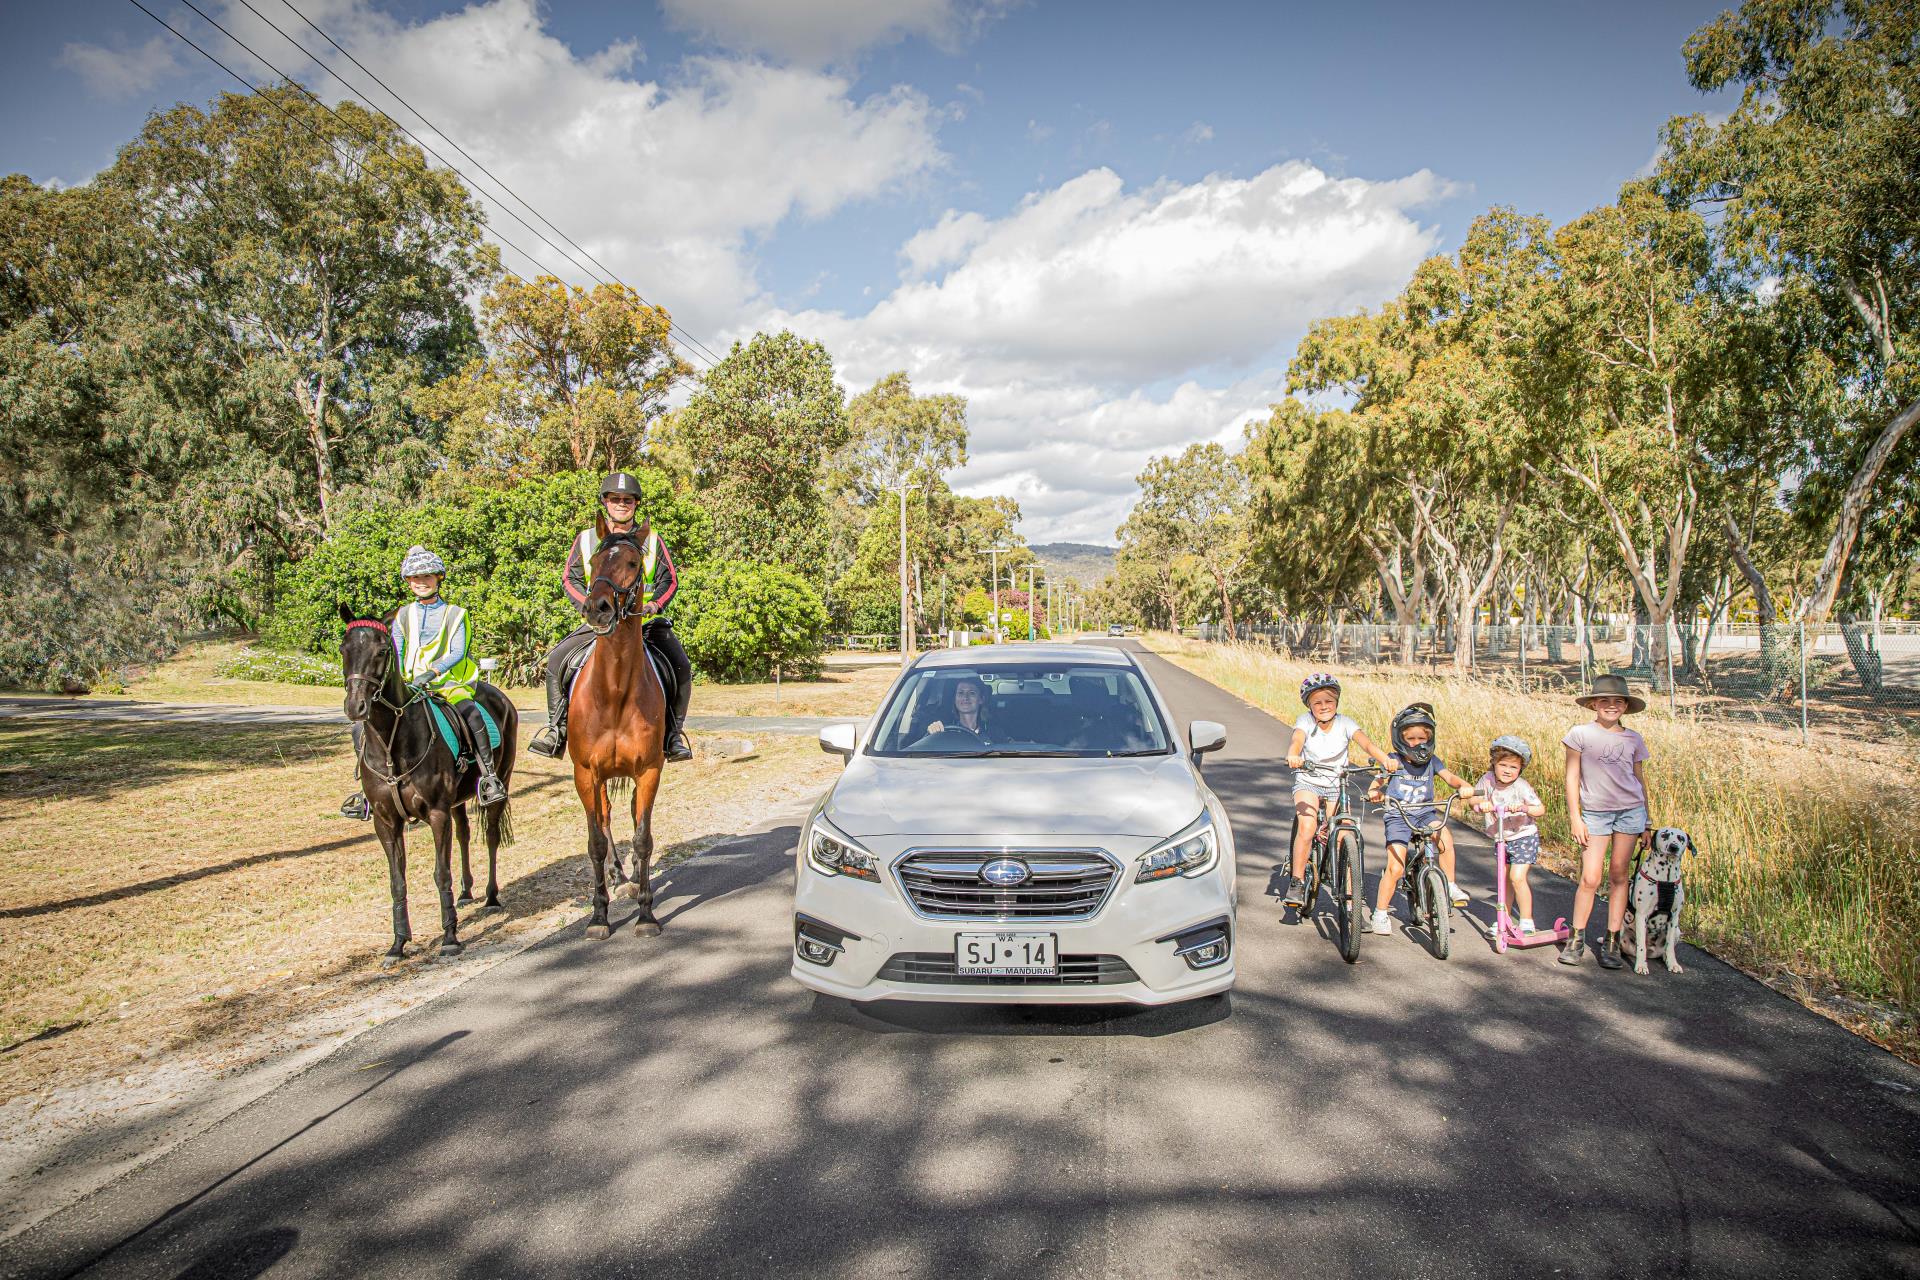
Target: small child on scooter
{"x": 1415, "y": 768}
{"x": 1501, "y": 787}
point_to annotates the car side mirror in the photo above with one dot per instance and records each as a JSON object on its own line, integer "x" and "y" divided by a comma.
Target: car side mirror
{"x": 1204, "y": 736}
{"x": 840, "y": 740}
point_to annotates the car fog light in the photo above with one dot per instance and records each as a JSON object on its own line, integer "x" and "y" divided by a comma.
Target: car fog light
{"x": 1204, "y": 945}
{"x": 817, "y": 952}
{"x": 818, "y": 942}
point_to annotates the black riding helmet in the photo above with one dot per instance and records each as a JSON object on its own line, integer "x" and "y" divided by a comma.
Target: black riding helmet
{"x": 620, "y": 482}
{"x": 1415, "y": 713}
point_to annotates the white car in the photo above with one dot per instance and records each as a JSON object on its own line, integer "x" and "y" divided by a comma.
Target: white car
{"x": 1018, "y": 826}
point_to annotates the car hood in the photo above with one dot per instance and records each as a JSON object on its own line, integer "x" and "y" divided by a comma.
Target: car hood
{"x": 1024, "y": 798}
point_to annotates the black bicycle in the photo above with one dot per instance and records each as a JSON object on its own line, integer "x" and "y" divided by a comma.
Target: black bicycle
{"x": 1335, "y": 862}
{"x": 1423, "y": 882}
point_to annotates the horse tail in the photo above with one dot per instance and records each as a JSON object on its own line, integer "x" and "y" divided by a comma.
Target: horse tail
{"x": 500, "y": 822}
{"x": 619, "y": 786}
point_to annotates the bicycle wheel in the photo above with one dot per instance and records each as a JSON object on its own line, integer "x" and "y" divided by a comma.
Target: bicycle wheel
{"x": 1433, "y": 888}
{"x": 1348, "y": 886}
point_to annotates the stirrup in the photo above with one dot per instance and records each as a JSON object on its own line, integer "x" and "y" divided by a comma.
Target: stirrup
{"x": 356, "y": 807}
{"x": 678, "y": 748}
{"x": 549, "y": 742}
{"x": 490, "y": 790}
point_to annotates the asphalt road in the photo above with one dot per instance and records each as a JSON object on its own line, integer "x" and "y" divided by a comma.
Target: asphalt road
{"x": 679, "y": 1107}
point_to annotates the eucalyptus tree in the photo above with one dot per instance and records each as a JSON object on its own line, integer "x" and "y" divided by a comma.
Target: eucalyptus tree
{"x": 1197, "y": 505}
{"x": 303, "y": 271}
{"x": 1816, "y": 180}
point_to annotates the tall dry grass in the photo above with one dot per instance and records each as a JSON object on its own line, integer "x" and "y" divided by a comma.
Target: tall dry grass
{"x": 1809, "y": 856}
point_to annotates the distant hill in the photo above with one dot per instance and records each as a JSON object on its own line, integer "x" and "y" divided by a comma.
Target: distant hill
{"x": 1085, "y": 562}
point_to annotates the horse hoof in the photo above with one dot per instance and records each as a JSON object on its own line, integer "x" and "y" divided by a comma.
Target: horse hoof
{"x": 493, "y": 908}
{"x": 597, "y": 931}
{"x": 389, "y": 960}
{"x": 646, "y": 928}
{"x": 464, "y": 899}
{"x": 451, "y": 949}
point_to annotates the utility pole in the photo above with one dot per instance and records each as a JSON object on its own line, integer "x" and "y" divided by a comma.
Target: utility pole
{"x": 1033, "y": 629}
{"x": 993, "y": 580}
{"x": 906, "y": 617}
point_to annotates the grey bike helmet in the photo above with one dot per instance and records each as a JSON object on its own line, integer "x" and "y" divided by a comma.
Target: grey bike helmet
{"x": 1317, "y": 681}
{"x": 421, "y": 561}
{"x": 1512, "y": 746}
{"x": 1415, "y": 713}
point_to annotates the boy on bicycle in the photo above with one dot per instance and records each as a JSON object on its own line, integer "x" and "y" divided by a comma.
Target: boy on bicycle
{"x": 1316, "y": 755}
{"x": 1412, "y": 786}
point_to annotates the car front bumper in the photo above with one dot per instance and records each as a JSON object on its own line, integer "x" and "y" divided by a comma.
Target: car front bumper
{"x": 1125, "y": 954}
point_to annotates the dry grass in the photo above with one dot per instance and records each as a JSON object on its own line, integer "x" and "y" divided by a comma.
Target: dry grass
{"x": 853, "y": 691}
{"x": 168, "y": 888}
{"x": 1809, "y": 874}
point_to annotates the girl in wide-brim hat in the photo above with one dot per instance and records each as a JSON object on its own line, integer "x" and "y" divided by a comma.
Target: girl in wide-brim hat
{"x": 1612, "y": 686}
{"x": 1606, "y": 807}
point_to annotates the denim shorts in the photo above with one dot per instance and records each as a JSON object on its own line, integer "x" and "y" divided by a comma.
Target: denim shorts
{"x": 1523, "y": 851}
{"x": 1398, "y": 832}
{"x": 1615, "y": 822}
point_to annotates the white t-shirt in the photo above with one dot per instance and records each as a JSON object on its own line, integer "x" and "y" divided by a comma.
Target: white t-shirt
{"x": 1326, "y": 749}
{"x": 1514, "y": 800}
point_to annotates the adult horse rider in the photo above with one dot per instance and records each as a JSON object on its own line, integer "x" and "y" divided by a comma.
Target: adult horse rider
{"x": 430, "y": 637}
{"x": 620, "y": 500}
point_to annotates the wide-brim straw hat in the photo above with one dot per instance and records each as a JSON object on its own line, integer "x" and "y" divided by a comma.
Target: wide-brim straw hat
{"x": 1611, "y": 686}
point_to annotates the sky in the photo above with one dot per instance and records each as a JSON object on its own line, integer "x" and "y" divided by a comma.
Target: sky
{"x": 1105, "y": 223}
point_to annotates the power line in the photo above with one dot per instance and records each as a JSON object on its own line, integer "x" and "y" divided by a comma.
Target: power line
{"x": 275, "y": 104}
{"x": 454, "y": 143}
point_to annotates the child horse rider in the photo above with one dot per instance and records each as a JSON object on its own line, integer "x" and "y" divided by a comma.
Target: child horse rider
{"x": 620, "y": 499}
{"x": 430, "y": 640}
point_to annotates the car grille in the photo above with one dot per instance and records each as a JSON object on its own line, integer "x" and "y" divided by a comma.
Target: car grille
{"x": 937, "y": 966}
{"x": 1065, "y": 885}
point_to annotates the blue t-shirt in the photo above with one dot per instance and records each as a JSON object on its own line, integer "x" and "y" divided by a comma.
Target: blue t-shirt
{"x": 1410, "y": 786}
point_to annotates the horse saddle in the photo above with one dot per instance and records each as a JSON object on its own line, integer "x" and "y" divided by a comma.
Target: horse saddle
{"x": 455, "y": 730}
{"x": 660, "y": 669}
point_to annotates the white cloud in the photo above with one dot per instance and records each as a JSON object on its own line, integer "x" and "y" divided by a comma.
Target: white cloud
{"x": 822, "y": 32}
{"x": 1200, "y": 131}
{"x": 665, "y": 179}
{"x": 121, "y": 73}
{"x": 1094, "y": 327}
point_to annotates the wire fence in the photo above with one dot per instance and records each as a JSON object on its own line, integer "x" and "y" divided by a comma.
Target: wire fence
{"x": 1782, "y": 671}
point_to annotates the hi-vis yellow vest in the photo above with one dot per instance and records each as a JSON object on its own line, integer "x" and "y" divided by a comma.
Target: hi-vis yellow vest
{"x": 589, "y": 542}
{"x": 457, "y": 684}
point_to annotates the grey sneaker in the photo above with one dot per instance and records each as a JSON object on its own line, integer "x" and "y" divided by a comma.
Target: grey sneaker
{"x": 1296, "y": 894}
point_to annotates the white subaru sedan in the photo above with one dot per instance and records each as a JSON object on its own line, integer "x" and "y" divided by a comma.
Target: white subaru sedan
{"x": 1018, "y": 824}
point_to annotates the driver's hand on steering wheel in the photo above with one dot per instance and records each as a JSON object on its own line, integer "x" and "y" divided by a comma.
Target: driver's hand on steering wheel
{"x": 936, "y": 727}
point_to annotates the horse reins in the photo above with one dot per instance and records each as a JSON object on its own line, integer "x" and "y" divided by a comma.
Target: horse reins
{"x": 623, "y": 597}
{"x": 399, "y": 711}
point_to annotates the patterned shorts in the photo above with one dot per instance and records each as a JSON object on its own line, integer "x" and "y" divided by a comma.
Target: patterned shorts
{"x": 1523, "y": 851}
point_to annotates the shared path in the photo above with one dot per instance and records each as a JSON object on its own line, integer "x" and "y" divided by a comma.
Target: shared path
{"x": 679, "y": 1107}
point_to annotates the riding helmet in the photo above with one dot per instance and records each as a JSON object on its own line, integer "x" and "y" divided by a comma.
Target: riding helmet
{"x": 620, "y": 482}
{"x": 1317, "y": 681}
{"x": 420, "y": 560}
{"x": 1512, "y": 746}
{"x": 1414, "y": 713}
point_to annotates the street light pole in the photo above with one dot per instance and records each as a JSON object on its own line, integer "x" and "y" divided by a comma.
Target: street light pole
{"x": 993, "y": 581}
{"x": 906, "y": 618}
{"x": 1033, "y": 628}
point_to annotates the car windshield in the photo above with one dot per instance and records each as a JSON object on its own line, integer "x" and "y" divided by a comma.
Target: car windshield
{"x": 1021, "y": 709}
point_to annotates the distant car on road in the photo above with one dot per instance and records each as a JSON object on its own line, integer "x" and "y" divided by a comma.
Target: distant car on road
{"x": 1115, "y": 629}
{"x": 1018, "y": 826}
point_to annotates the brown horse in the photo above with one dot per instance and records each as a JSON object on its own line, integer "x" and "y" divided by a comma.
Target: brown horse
{"x": 617, "y": 721}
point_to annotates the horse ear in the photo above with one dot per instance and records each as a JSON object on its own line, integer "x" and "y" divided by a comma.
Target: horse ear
{"x": 346, "y": 614}
{"x": 390, "y": 617}
{"x": 600, "y": 526}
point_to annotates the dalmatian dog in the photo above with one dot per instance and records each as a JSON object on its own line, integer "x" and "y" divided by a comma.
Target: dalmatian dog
{"x": 1654, "y": 898}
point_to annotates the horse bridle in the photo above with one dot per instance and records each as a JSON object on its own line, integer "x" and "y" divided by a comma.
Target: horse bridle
{"x": 623, "y": 597}
{"x": 380, "y": 696}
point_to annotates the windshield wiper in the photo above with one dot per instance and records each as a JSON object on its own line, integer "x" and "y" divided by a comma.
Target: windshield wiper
{"x": 1144, "y": 751}
{"x": 1009, "y": 753}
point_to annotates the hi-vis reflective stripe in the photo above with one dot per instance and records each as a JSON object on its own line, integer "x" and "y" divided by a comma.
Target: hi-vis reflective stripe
{"x": 589, "y": 542}
{"x": 419, "y": 661}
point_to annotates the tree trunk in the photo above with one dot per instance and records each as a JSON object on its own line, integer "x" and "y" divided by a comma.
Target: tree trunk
{"x": 322, "y": 448}
{"x": 1818, "y": 603}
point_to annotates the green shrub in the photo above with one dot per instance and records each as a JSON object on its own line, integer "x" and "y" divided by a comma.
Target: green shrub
{"x": 742, "y": 620}
{"x": 504, "y": 548}
{"x": 280, "y": 667}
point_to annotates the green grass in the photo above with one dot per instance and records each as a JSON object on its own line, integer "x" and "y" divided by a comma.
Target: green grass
{"x": 1809, "y": 866}
{"x": 278, "y": 667}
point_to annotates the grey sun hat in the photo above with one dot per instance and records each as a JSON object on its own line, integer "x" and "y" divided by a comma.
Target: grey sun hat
{"x": 420, "y": 560}
{"x": 1611, "y": 686}
{"x": 1513, "y": 746}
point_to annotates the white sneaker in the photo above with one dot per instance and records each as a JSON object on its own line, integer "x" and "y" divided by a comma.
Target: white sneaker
{"x": 1526, "y": 925}
{"x": 1379, "y": 922}
{"x": 1457, "y": 894}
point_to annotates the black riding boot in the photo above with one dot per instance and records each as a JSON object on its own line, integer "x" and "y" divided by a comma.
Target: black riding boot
{"x": 552, "y": 740}
{"x": 1576, "y": 949}
{"x": 660, "y": 635}
{"x": 490, "y": 789}
{"x": 1610, "y": 954}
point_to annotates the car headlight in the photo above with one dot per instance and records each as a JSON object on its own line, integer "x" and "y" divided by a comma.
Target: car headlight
{"x": 1190, "y": 853}
{"x": 832, "y": 854}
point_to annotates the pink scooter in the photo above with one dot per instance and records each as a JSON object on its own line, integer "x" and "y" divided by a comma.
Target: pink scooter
{"x": 1506, "y": 933}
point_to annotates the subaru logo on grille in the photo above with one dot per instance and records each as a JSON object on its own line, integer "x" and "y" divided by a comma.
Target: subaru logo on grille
{"x": 1005, "y": 872}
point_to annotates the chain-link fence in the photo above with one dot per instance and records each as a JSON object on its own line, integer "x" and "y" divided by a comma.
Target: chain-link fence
{"x": 1783, "y": 671}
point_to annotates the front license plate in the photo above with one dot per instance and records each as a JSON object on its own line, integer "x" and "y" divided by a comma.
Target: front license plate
{"x": 1005, "y": 955}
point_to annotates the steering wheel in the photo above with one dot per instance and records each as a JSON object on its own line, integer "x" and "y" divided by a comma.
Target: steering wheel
{"x": 955, "y": 737}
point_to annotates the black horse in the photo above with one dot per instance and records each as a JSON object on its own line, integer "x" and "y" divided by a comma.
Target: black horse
{"x": 407, "y": 772}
